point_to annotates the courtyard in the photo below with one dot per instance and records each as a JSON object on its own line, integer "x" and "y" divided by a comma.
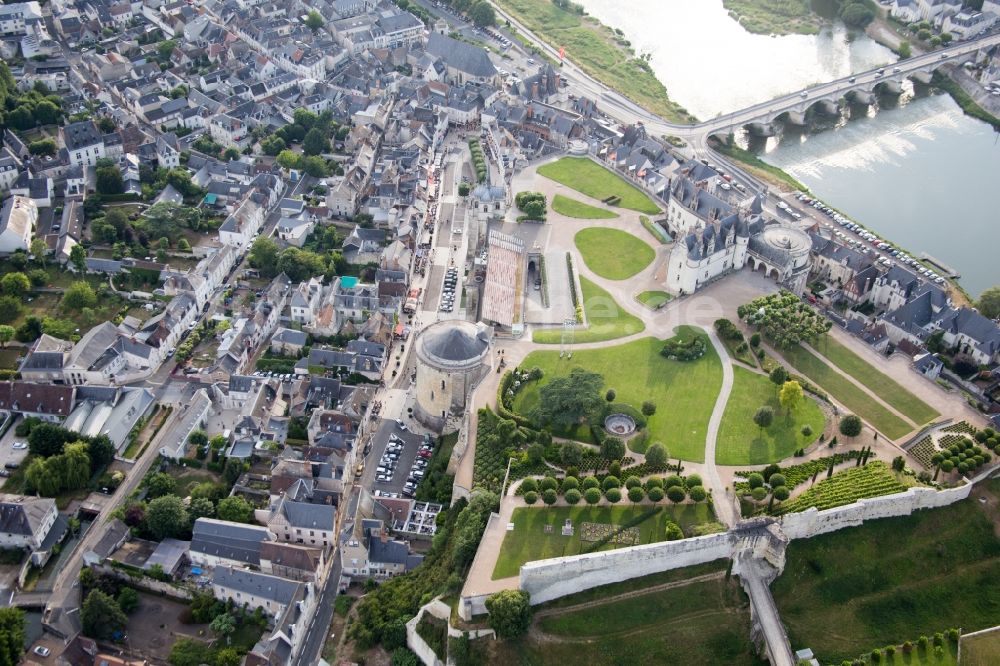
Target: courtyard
{"x": 684, "y": 392}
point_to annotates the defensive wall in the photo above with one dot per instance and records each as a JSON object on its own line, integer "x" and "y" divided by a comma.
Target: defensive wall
{"x": 550, "y": 579}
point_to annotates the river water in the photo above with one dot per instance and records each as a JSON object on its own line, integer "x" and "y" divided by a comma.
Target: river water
{"x": 923, "y": 174}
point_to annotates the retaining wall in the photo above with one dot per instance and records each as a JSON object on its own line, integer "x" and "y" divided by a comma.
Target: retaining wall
{"x": 550, "y": 579}
{"x": 812, "y": 522}
{"x": 419, "y": 646}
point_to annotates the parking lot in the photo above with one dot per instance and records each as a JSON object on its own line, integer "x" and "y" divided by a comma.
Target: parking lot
{"x": 406, "y": 444}
{"x": 8, "y": 454}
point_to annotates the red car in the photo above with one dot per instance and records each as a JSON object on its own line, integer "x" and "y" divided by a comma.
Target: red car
{"x": 424, "y": 454}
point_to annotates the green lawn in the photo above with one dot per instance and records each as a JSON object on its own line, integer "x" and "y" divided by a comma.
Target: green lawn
{"x": 599, "y": 52}
{"x": 529, "y": 541}
{"x": 880, "y": 384}
{"x": 684, "y": 393}
{"x": 586, "y": 176}
{"x": 893, "y": 580}
{"x": 701, "y": 623}
{"x": 578, "y": 209}
{"x": 612, "y": 253}
{"x": 846, "y": 392}
{"x": 653, "y": 299}
{"x": 741, "y": 442}
{"x": 605, "y": 318}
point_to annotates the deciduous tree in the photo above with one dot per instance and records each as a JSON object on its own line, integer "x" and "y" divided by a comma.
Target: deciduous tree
{"x": 568, "y": 400}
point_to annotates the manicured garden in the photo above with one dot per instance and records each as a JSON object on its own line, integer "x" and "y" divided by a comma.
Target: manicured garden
{"x": 846, "y": 392}
{"x": 892, "y": 580}
{"x": 605, "y": 318}
{"x": 612, "y": 253}
{"x": 684, "y": 391}
{"x": 529, "y": 540}
{"x": 588, "y": 177}
{"x": 653, "y": 299}
{"x": 578, "y": 209}
{"x": 742, "y": 442}
{"x": 877, "y": 382}
{"x": 871, "y": 480}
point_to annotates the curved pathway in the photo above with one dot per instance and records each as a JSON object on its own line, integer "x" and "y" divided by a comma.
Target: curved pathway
{"x": 723, "y": 504}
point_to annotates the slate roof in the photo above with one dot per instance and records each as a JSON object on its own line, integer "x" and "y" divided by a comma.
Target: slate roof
{"x": 232, "y": 541}
{"x": 280, "y": 590}
{"x": 36, "y": 398}
{"x": 970, "y": 323}
{"x": 304, "y": 514}
{"x": 23, "y": 515}
{"x": 464, "y": 57}
{"x": 290, "y": 336}
{"x": 82, "y": 134}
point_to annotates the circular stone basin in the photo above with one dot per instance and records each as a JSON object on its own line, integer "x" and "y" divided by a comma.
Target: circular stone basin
{"x": 619, "y": 424}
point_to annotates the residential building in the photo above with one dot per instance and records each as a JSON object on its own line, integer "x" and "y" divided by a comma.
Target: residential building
{"x": 303, "y": 523}
{"x": 292, "y": 561}
{"x": 220, "y": 543}
{"x": 191, "y": 416}
{"x": 84, "y": 143}
{"x": 16, "y": 18}
{"x": 229, "y": 132}
{"x": 375, "y": 555}
{"x": 104, "y": 356}
{"x": 18, "y": 217}
{"x": 288, "y": 342}
{"x": 253, "y": 590}
{"x": 25, "y": 522}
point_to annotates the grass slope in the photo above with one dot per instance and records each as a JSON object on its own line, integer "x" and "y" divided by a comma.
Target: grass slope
{"x": 893, "y": 580}
{"x": 684, "y": 393}
{"x": 613, "y": 254}
{"x": 741, "y": 442}
{"x": 606, "y": 319}
{"x": 701, "y": 623}
{"x": 599, "y": 52}
{"x": 529, "y": 542}
{"x": 846, "y": 392}
{"x": 880, "y": 384}
{"x": 578, "y": 209}
{"x": 587, "y": 177}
